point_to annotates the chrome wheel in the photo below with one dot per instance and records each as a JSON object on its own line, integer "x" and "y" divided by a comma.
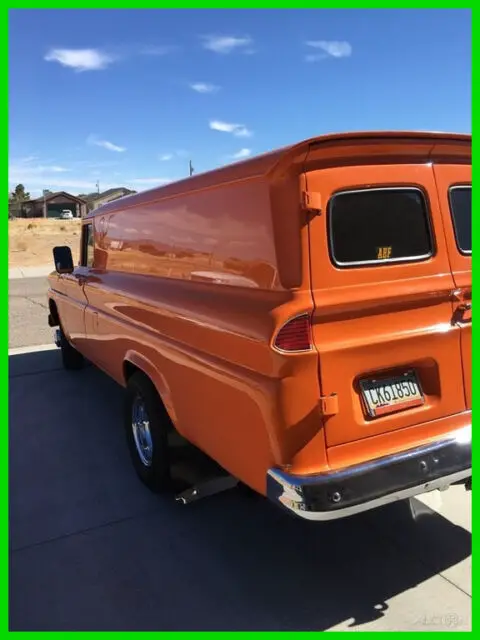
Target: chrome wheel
{"x": 141, "y": 431}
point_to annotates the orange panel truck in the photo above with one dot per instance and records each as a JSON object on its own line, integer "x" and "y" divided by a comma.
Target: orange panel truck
{"x": 302, "y": 318}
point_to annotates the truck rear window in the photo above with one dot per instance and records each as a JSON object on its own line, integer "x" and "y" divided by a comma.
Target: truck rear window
{"x": 461, "y": 208}
{"x": 379, "y": 225}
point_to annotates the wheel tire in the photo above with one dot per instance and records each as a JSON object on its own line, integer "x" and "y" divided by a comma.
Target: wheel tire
{"x": 141, "y": 392}
{"x": 71, "y": 358}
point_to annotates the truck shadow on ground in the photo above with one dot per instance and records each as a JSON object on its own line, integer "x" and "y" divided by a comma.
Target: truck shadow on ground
{"x": 91, "y": 549}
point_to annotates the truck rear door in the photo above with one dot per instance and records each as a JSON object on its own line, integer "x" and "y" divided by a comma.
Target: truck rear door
{"x": 454, "y": 183}
{"x": 382, "y": 289}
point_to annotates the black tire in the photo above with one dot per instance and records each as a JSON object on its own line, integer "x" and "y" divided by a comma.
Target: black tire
{"x": 71, "y": 358}
{"x": 156, "y": 475}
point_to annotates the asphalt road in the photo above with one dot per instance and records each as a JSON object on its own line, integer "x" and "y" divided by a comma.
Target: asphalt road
{"x": 91, "y": 549}
{"x": 27, "y": 312}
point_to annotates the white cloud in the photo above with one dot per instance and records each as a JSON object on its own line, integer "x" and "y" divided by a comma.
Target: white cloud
{"x": 105, "y": 144}
{"x": 80, "y": 59}
{"x": 110, "y": 146}
{"x": 37, "y": 182}
{"x": 204, "y": 87}
{"x": 328, "y": 48}
{"x": 179, "y": 153}
{"x": 78, "y": 184}
{"x": 227, "y": 44}
{"x": 96, "y": 165}
{"x": 243, "y": 153}
{"x": 78, "y": 180}
{"x": 23, "y": 171}
{"x": 27, "y": 159}
{"x": 53, "y": 168}
{"x": 238, "y": 130}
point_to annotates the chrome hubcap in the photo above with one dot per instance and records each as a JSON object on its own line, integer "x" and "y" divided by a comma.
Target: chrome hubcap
{"x": 141, "y": 431}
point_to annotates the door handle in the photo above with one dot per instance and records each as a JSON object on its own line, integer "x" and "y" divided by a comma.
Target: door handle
{"x": 462, "y": 299}
{"x": 460, "y": 310}
{"x": 461, "y": 295}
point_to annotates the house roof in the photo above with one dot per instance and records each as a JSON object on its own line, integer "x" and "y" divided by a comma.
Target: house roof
{"x": 55, "y": 194}
{"x": 110, "y": 192}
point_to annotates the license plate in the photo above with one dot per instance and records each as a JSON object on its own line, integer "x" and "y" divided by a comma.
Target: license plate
{"x": 387, "y": 395}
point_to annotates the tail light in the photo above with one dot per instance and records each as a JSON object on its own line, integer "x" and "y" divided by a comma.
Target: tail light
{"x": 295, "y": 335}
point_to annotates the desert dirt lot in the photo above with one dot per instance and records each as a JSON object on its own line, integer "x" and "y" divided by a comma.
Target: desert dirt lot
{"x": 31, "y": 240}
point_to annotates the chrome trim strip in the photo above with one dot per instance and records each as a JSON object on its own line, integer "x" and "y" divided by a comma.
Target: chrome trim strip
{"x": 293, "y": 499}
{"x": 441, "y": 483}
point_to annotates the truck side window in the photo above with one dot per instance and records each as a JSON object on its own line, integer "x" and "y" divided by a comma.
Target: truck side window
{"x": 87, "y": 245}
{"x": 379, "y": 225}
{"x": 461, "y": 207}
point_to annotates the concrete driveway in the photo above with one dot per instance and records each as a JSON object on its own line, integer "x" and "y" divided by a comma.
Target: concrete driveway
{"x": 27, "y": 312}
{"x": 91, "y": 549}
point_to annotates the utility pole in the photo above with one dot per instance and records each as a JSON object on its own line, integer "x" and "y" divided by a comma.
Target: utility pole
{"x": 98, "y": 187}
{"x": 190, "y": 168}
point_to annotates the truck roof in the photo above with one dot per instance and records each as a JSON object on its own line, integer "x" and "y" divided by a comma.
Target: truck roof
{"x": 266, "y": 163}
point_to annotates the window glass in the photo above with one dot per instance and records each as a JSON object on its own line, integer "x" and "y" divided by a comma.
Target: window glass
{"x": 87, "y": 245}
{"x": 379, "y": 225}
{"x": 461, "y": 209}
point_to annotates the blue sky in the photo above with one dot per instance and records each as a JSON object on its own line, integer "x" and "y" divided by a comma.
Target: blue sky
{"x": 128, "y": 96}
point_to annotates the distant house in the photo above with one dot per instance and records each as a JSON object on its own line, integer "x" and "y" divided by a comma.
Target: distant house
{"x": 97, "y": 200}
{"x": 52, "y": 204}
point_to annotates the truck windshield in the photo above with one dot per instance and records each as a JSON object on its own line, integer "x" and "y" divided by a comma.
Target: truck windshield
{"x": 461, "y": 208}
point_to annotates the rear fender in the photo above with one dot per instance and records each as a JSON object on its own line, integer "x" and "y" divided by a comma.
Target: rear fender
{"x": 141, "y": 362}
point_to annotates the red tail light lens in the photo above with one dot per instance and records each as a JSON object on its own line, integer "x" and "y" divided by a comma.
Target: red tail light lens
{"x": 295, "y": 335}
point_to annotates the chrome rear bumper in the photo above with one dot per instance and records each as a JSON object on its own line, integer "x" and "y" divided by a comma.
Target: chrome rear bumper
{"x": 338, "y": 494}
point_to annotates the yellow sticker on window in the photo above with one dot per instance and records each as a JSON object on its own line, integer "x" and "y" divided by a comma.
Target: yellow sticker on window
{"x": 383, "y": 253}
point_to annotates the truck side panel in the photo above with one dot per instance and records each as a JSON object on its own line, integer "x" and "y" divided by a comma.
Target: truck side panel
{"x": 218, "y": 233}
{"x": 191, "y": 286}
